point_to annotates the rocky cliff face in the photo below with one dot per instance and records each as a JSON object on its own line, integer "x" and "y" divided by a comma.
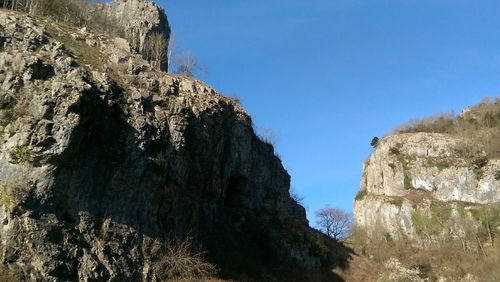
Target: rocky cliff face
{"x": 426, "y": 184}
{"x": 138, "y": 19}
{"x": 102, "y": 157}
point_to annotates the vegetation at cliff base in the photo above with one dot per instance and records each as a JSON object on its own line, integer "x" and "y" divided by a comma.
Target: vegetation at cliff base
{"x": 175, "y": 261}
{"x": 384, "y": 259}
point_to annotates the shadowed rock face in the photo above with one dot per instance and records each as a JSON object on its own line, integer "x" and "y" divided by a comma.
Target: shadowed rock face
{"x": 101, "y": 158}
{"x": 424, "y": 173}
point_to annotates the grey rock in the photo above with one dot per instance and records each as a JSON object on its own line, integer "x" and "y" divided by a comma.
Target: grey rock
{"x": 97, "y": 163}
{"x": 139, "y": 19}
{"x": 410, "y": 172}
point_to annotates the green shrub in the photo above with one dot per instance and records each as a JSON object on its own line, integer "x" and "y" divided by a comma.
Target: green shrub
{"x": 487, "y": 215}
{"x": 497, "y": 175}
{"x": 440, "y": 213}
{"x": 440, "y": 164}
{"x": 394, "y": 151}
{"x": 20, "y": 154}
{"x": 7, "y": 114}
{"x": 13, "y": 193}
{"x": 423, "y": 269}
{"x": 397, "y": 201}
{"x": 419, "y": 221}
{"x": 5, "y": 199}
{"x": 361, "y": 194}
{"x": 407, "y": 175}
{"x": 480, "y": 162}
{"x": 435, "y": 222}
{"x": 7, "y": 117}
{"x": 388, "y": 238}
{"x": 407, "y": 162}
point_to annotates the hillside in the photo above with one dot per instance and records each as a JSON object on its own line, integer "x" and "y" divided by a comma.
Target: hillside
{"x": 106, "y": 162}
{"x": 432, "y": 188}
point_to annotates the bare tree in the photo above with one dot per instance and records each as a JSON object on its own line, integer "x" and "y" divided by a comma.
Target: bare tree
{"x": 172, "y": 50}
{"x": 32, "y": 7}
{"x": 299, "y": 199}
{"x": 335, "y": 223}
{"x": 155, "y": 49}
{"x": 182, "y": 61}
{"x": 187, "y": 64}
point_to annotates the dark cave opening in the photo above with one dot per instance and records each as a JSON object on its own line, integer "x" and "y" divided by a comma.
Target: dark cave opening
{"x": 233, "y": 192}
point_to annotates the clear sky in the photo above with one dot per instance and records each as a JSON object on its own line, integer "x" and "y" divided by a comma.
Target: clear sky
{"x": 325, "y": 76}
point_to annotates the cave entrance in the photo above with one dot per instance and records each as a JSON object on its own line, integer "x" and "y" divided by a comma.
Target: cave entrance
{"x": 233, "y": 192}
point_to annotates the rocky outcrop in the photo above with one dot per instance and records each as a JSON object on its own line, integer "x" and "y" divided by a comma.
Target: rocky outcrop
{"x": 418, "y": 183}
{"x": 103, "y": 158}
{"x": 138, "y": 19}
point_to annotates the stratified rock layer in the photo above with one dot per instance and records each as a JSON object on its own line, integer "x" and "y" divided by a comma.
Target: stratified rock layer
{"x": 425, "y": 175}
{"x": 102, "y": 157}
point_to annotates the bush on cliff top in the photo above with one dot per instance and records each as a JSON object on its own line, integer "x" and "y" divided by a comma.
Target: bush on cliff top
{"x": 481, "y": 124}
{"x": 75, "y": 12}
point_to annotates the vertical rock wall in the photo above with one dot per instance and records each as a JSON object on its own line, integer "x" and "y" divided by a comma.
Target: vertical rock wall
{"x": 139, "y": 19}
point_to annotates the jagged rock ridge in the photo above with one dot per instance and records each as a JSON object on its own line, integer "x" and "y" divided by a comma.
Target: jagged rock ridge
{"x": 102, "y": 157}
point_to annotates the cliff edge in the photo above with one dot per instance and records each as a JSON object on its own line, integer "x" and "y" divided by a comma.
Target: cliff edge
{"x": 102, "y": 158}
{"x": 429, "y": 186}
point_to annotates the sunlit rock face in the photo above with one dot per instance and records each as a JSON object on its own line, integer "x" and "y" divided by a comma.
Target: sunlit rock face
{"x": 417, "y": 174}
{"x": 138, "y": 19}
{"x": 102, "y": 157}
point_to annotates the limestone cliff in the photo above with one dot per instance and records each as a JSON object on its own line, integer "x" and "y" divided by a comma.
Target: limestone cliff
{"x": 138, "y": 19}
{"x": 426, "y": 184}
{"x": 101, "y": 157}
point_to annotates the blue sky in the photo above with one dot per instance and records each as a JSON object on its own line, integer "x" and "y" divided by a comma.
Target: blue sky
{"x": 326, "y": 76}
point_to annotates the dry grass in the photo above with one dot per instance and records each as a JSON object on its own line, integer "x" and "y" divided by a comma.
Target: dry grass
{"x": 177, "y": 262}
{"x": 361, "y": 269}
{"x": 480, "y": 124}
{"x": 83, "y": 53}
{"x": 7, "y": 276}
{"x": 447, "y": 259}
